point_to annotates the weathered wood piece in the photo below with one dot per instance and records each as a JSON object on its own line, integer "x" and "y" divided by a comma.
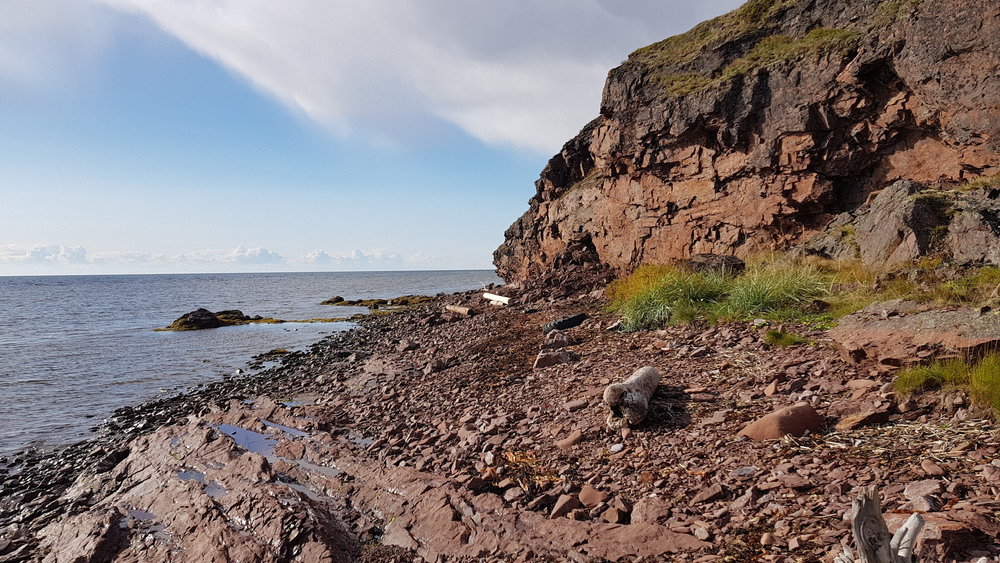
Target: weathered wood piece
{"x": 564, "y": 323}
{"x": 497, "y": 299}
{"x": 629, "y": 400}
{"x": 466, "y": 311}
{"x": 871, "y": 535}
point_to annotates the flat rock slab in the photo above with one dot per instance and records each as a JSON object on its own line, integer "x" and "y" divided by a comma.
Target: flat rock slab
{"x": 896, "y": 332}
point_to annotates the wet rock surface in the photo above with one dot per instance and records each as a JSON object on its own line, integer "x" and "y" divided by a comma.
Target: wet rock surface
{"x": 334, "y": 456}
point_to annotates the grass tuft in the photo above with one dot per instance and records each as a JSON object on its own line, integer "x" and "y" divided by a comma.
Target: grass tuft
{"x": 981, "y": 379}
{"x": 783, "y": 339}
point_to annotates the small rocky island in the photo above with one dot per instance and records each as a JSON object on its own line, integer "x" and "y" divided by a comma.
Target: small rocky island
{"x": 202, "y": 319}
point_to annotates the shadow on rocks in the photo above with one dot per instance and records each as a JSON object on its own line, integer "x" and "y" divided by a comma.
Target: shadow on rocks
{"x": 668, "y": 409}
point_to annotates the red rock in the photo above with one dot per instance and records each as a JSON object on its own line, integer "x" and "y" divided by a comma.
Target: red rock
{"x": 574, "y": 438}
{"x": 614, "y": 516}
{"x": 771, "y": 388}
{"x": 650, "y": 510}
{"x": 795, "y": 420}
{"x": 713, "y": 492}
{"x": 927, "y": 487}
{"x": 547, "y": 358}
{"x": 564, "y": 505}
{"x": 576, "y": 405}
{"x": 893, "y": 339}
{"x": 878, "y": 415}
{"x": 591, "y": 497}
{"x": 930, "y": 468}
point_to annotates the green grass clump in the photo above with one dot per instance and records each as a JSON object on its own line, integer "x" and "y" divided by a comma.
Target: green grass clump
{"x": 657, "y": 295}
{"x": 778, "y": 338}
{"x": 975, "y": 290}
{"x": 987, "y": 182}
{"x": 891, "y": 11}
{"x": 946, "y": 375}
{"x": 981, "y": 379}
{"x": 780, "y": 48}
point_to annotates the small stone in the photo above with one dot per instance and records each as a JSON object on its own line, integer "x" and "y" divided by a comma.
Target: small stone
{"x": 614, "y": 516}
{"x": 616, "y": 448}
{"x": 626, "y": 433}
{"x": 930, "y": 468}
{"x": 591, "y": 497}
{"x": 767, "y": 538}
{"x": 796, "y": 420}
{"x": 576, "y": 405}
{"x": 708, "y": 494}
{"x": 574, "y": 438}
{"x": 564, "y": 505}
{"x": 927, "y": 487}
{"x": 701, "y": 533}
{"x": 771, "y": 388}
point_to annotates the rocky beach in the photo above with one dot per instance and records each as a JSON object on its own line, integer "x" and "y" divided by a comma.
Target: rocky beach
{"x": 860, "y": 137}
{"x": 431, "y": 435}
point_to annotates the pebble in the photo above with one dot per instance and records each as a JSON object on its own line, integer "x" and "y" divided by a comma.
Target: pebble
{"x": 931, "y": 468}
{"x": 617, "y": 448}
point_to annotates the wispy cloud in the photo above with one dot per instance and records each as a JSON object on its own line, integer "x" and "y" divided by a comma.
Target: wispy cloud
{"x": 44, "y": 41}
{"x": 57, "y": 256}
{"x": 518, "y": 73}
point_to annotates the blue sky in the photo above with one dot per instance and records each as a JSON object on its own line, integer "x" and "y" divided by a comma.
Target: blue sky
{"x": 143, "y": 136}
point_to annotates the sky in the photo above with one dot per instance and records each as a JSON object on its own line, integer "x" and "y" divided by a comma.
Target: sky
{"x": 175, "y": 136}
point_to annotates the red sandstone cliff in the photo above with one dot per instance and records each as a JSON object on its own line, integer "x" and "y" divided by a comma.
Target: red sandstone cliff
{"x": 751, "y": 131}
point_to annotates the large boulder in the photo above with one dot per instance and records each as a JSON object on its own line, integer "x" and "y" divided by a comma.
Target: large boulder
{"x": 896, "y": 332}
{"x": 897, "y": 227}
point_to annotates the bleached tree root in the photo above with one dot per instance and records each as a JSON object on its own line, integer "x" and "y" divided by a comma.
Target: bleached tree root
{"x": 871, "y": 535}
{"x": 629, "y": 400}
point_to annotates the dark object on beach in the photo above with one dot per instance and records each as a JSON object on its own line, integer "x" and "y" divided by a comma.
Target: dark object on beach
{"x": 333, "y": 301}
{"x": 564, "y": 323}
{"x": 716, "y": 263}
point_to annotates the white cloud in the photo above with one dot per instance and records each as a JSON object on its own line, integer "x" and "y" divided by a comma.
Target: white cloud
{"x": 239, "y": 255}
{"x": 516, "y": 73}
{"x": 48, "y": 254}
{"x": 47, "y": 258}
{"x": 42, "y": 42}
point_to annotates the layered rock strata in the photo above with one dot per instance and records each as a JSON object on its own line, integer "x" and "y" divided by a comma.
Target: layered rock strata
{"x": 752, "y": 131}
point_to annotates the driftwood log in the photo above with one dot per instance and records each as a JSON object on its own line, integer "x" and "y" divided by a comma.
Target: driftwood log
{"x": 496, "y": 299}
{"x": 458, "y": 309}
{"x": 629, "y": 400}
{"x": 871, "y": 535}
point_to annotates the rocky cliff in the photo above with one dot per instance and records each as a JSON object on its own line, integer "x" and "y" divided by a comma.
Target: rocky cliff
{"x": 754, "y": 130}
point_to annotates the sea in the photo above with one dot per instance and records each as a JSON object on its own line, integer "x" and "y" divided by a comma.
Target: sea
{"x": 75, "y": 348}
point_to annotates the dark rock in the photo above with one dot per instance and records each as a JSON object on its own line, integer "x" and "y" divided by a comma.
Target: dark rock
{"x": 715, "y": 263}
{"x": 565, "y": 323}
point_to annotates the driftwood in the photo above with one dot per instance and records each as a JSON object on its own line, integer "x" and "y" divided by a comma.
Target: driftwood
{"x": 871, "y": 535}
{"x": 496, "y": 299}
{"x": 466, "y": 311}
{"x": 629, "y": 400}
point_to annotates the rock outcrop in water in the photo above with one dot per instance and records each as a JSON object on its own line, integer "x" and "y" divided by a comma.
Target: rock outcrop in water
{"x": 754, "y": 130}
{"x": 202, "y": 319}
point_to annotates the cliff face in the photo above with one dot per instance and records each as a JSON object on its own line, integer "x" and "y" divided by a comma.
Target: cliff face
{"x": 752, "y": 131}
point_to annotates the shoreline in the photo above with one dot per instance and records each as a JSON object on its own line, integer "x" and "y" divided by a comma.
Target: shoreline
{"x": 424, "y": 434}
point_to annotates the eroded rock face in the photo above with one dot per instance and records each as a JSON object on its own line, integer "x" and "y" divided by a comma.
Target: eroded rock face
{"x": 764, "y": 157}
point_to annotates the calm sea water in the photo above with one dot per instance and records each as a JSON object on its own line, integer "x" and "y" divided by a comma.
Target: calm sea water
{"x": 74, "y": 348}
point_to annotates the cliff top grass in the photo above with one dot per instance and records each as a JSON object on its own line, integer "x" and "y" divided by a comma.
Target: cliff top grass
{"x": 752, "y": 17}
{"x": 673, "y": 58}
{"x": 780, "y": 288}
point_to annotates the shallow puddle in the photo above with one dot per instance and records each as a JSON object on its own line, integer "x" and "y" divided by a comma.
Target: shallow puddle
{"x": 289, "y": 430}
{"x": 249, "y": 440}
